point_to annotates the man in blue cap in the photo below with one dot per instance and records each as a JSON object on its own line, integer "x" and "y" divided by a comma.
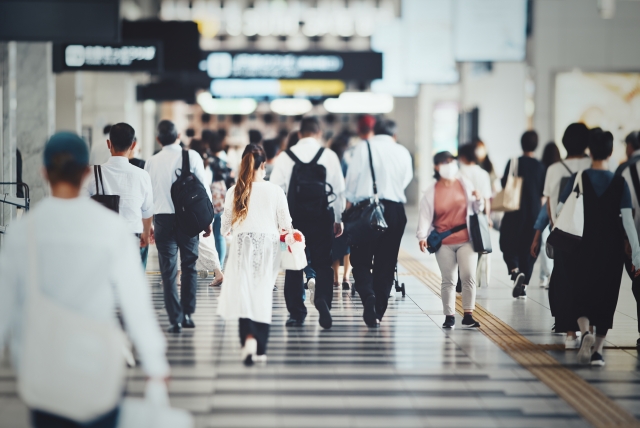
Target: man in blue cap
{"x": 86, "y": 259}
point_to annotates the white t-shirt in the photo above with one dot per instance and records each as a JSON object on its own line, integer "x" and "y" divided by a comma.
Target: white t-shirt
{"x": 555, "y": 173}
{"x": 479, "y": 178}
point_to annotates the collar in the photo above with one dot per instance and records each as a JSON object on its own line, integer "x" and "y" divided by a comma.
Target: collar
{"x": 173, "y": 147}
{"x": 308, "y": 141}
{"x": 383, "y": 138}
{"x": 118, "y": 160}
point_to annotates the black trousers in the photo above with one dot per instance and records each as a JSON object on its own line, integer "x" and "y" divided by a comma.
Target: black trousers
{"x": 41, "y": 419}
{"x": 374, "y": 265}
{"x": 169, "y": 240}
{"x": 259, "y": 330}
{"x": 635, "y": 288}
{"x": 522, "y": 260}
{"x": 319, "y": 240}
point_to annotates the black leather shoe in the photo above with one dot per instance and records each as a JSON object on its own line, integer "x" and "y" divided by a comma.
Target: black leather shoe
{"x": 325, "y": 320}
{"x": 292, "y": 322}
{"x": 175, "y": 328}
{"x": 188, "y": 322}
{"x": 369, "y": 314}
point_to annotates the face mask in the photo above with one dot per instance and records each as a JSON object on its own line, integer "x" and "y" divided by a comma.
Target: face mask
{"x": 481, "y": 153}
{"x": 448, "y": 170}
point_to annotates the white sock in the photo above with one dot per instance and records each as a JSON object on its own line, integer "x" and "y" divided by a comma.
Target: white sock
{"x": 583, "y": 323}
{"x": 599, "y": 346}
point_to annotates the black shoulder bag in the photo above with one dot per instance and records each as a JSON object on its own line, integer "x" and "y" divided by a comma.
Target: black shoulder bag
{"x": 364, "y": 222}
{"x": 111, "y": 202}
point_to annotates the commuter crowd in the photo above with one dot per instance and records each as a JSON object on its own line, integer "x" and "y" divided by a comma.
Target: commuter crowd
{"x": 307, "y": 206}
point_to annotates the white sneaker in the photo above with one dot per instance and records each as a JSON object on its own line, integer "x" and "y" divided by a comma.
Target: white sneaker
{"x": 571, "y": 343}
{"x": 249, "y": 351}
{"x": 544, "y": 282}
{"x": 312, "y": 285}
{"x": 261, "y": 359}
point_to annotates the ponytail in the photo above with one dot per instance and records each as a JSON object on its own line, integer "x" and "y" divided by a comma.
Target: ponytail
{"x": 252, "y": 158}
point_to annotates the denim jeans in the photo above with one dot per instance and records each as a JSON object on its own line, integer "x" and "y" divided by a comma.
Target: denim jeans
{"x": 170, "y": 239}
{"x": 221, "y": 242}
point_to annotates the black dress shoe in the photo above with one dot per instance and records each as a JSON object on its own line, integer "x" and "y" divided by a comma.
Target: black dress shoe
{"x": 325, "y": 314}
{"x": 369, "y": 314}
{"x": 175, "y": 328}
{"x": 292, "y": 322}
{"x": 188, "y": 322}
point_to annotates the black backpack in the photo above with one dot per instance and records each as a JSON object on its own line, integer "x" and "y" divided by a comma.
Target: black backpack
{"x": 194, "y": 210}
{"x": 309, "y": 192}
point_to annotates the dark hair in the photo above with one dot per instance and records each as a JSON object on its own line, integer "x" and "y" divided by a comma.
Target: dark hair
{"x": 468, "y": 152}
{"x": 199, "y": 146}
{"x": 340, "y": 144}
{"x": 236, "y": 119}
{"x": 271, "y": 147}
{"x": 633, "y": 140}
{"x": 575, "y": 139}
{"x": 529, "y": 141}
{"x": 293, "y": 139}
{"x": 213, "y": 140}
{"x": 167, "y": 133}
{"x": 64, "y": 168}
{"x": 439, "y": 158}
{"x": 600, "y": 144}
{"x": 106, "y": 129}
{"x": 486, "y": 162}
{"x": 385, "y": 127}
{"x": 190, "y": 133}
{"x": 252, "y": 157}
{"x": 309, "y": 126}
{"x": 551, "y": 154}
{"x": 122, "y": 136}
{"x": 255, "y": 136}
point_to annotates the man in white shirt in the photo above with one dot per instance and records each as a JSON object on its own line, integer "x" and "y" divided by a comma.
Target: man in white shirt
{"x": 575, "y": 140}
{"x": 394, "y": 171}
{"x": 318, "y": 226}
{"x": 164, "y": 168}
{"x": 629, "y": 171}
{"x": 87, "y": 261}
{"x": 131, "y": 183}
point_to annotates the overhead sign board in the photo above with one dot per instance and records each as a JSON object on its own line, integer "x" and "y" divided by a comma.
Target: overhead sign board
{"x": 126, "y": 57}
{"x": 288, "y": 65}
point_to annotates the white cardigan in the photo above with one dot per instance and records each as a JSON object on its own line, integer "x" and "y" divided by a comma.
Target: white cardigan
{"x": 425, "y": 220}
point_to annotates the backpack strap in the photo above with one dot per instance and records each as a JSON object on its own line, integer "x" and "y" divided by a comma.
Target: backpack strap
{"x": 186, "y": 166}
{"x": 316, "y": 158}
{"x": 97, "y": 171}
{"x": 293, "y": 157}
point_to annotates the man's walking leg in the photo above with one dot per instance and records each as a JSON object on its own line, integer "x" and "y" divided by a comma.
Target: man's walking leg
{"x": 168, "y": 258}
{"x": 188, "y": 258}
{"x": 293, "y": 290}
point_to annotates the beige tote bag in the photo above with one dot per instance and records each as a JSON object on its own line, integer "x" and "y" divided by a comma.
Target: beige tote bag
{"x": 508, "y": 199}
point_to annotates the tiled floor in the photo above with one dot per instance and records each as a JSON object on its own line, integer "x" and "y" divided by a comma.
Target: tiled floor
{"x": 408, "y": 373}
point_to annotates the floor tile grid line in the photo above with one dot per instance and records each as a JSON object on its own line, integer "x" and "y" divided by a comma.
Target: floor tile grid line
{"x": 588, "y": 401}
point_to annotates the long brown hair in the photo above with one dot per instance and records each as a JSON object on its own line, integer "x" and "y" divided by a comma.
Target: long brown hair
{"x": 252, "y": 158}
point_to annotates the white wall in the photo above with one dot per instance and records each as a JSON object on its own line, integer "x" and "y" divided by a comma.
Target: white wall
{"x": 500, "y": 96}
{"x": 570, "y": 34}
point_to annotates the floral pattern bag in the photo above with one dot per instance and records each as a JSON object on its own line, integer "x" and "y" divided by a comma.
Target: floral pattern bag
{"x": 218, "y": 194}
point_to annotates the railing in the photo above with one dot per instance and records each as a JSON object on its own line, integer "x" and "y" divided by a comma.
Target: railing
{"x": 14, "y": 200}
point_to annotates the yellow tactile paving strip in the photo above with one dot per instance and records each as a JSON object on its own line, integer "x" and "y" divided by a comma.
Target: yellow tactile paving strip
{"x": 588, "y": 401}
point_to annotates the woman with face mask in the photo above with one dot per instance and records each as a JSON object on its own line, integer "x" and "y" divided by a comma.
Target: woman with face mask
{"x": 446, "y": 206}
{"x": 257, "y": 212}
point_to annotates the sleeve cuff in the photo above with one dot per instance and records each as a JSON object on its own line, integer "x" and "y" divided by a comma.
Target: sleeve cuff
{"x": 147, "y": 213}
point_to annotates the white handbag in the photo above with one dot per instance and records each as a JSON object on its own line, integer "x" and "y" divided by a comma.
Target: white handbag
{"x": 508, "y": 199}
{"x": 72, "y": 366}
{"x": 293, "y": 256}
{"x": 152, "y": 411}
{"x": 569, "y": 226}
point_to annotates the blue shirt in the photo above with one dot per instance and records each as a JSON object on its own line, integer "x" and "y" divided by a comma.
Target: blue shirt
{"x": 600, "y": 180}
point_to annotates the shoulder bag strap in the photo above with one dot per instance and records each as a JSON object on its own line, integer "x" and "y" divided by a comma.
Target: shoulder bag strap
{"x": 373, "y": 174}
{"x": 578, "y": 182}
{"x": 101, "y": 179}
{"x": 565, "y": 165}
{"x": 95, "y": 173}
{"x": 292, "y": 156}
{"x": 633, "y": 170}
{"x": 317, "y": 156}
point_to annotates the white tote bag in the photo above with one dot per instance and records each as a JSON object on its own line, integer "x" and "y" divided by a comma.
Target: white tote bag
{"x": 508, "y": 199}
{"x": 153, "y": 411}
{"x": 568, "y": 228}
{"x": 72, "y": 366}
{"x": 292, "y": 250}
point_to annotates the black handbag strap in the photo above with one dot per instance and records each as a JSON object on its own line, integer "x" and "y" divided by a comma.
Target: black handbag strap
{"x": 97, "y": 171}
{"x": 567, "y": 168}
{"x": 373, "y": 173}
{"x": 457, "y": 228}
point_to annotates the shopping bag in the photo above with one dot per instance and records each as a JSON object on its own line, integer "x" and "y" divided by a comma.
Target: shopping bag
{"x": 508, "y": 199}
{"x": 567, "y": 231}
{"x": 153, "y": 411}
{"x": 480, "y": 236}
{"x": 292, "y": 245}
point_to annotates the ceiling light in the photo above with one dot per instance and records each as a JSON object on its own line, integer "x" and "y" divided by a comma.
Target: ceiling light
{"x": 226, "y": 106}
{"x": 291, "y": 106}
{"x": 360, "y": 102}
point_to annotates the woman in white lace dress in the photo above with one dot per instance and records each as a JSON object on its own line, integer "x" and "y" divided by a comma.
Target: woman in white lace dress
{"x": 257, "y": 212}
